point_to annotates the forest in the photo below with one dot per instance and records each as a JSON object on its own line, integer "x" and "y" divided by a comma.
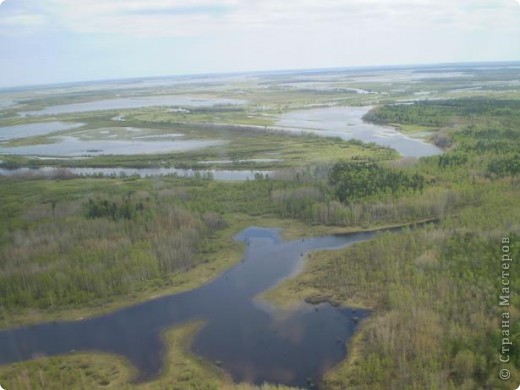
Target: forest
{"x": 79, "y": 253}
{"x": 437, "y": 283}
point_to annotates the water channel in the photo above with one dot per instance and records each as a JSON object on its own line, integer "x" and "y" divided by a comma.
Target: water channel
{"x": 253, "y": 341}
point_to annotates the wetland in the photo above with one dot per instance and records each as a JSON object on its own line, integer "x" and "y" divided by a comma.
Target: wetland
{"x": 254, "y": 341}
{"x": 179, "y": 214}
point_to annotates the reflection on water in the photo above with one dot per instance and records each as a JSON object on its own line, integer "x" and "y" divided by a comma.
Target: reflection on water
{"x": 347, "y": 123}
{"x": 254, "y": 342}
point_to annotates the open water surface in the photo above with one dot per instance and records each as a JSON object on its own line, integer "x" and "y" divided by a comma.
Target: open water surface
{"x": 347, "y": 123}
{"x": 253, "y": 341}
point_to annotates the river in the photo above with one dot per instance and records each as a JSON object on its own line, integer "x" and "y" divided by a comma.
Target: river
{"x": 251, "y": 339}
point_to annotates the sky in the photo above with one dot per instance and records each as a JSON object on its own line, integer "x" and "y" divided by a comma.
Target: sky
{"x": 51, "y": 41}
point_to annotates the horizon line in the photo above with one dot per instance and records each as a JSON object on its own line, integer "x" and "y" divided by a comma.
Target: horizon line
{"x": 43, "y": 85}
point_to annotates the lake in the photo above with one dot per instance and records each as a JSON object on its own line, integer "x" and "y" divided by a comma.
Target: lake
{"x": 253, "y": 340}
{"x": 347, "y": 123}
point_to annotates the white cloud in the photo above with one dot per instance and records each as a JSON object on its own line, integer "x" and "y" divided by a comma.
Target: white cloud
{"x": 17, "y": 17}
{"x": 137, "y": 17}
{"x": 26, "y": 20}
{"x": 53, "y": 40}
{"x": 198, "y": 17}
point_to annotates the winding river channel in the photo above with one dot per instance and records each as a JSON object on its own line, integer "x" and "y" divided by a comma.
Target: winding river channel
{"x": 254, "y": 341}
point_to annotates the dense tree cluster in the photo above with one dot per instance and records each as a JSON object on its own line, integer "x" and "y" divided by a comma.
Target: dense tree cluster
{"x": 486, "y": 136}
{"x": 427, "y": 285}
{"x": 110, "y": 209}
{"x": 505, "y": 166}
{"x": 438, "y": 113}
{"x": 496, "y": 140}
{"x": 353, "y": 181}
{"x": 452, "y": 160}
{"x": 106, "y": 247}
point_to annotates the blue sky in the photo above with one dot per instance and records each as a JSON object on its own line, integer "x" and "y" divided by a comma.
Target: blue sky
{"x": 48, "y": 41}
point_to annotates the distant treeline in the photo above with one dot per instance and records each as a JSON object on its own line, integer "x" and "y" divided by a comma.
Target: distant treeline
{"x": 483, "y": 132}
{"x": 438, "y": 113}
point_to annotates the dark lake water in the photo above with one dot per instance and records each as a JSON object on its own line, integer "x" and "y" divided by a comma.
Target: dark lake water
{"x": 254, "y": 341}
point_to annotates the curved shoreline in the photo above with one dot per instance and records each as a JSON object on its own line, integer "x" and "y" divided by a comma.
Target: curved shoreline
{"x": 233, "y": 289}
{"x": 190, "y": 280}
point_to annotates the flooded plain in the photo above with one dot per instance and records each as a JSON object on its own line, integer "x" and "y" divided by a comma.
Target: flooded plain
{"x": 132, "y": 102}
{"x": 344, "y": 122}
{"x": 74, "y": 147}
